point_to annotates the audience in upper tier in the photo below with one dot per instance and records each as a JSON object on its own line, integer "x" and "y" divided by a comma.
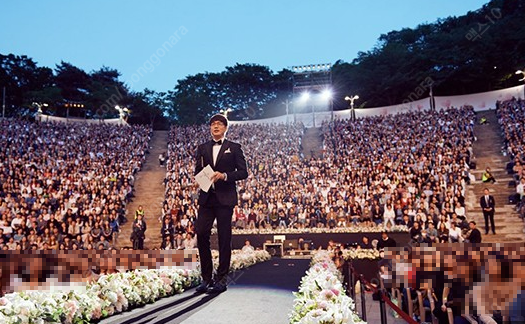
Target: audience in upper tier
{"x": 65, "y": 186}
{"x": 511, "y": 117}
{"x": 379, "y": 171}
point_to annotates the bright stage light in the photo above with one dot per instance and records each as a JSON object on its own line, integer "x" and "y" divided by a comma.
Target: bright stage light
{"x": 305, "y": 96}
{"x": 326, "y": 94}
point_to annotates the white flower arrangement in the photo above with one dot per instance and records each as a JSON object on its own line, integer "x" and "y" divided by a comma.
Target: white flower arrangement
{"x": 322, "y": 230}
{"x": 321, "y": 297}
{"x": 370, "y": 254}
{"x": 110, "y": 294}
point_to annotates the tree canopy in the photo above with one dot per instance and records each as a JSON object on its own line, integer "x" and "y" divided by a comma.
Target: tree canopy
{"x": 472, "y": 53}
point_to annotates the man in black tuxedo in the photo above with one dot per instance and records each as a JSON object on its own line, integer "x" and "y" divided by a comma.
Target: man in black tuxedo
{"x": 487, "y": 204}
{"x": 138, "y": 233}
{"x": 227, "y": 159}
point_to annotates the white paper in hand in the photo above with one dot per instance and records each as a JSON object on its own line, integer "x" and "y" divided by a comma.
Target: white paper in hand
{"x": 203, "y": 178}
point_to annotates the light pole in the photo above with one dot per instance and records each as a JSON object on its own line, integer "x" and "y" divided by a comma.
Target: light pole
{"x": 226, "y": 111}
{"x": 39, "y": 106}
{"x": 305, "y": 96}
{"x": 3, "y": 104}
{"x": 351, "y": 99}
{"x": 432, "y": 102}
{"x": 522, "y": 79}
{"x": 122, "y": 112}
{"x": 287, "y": 104}
{"x": 521, "y": 72}
{"x": 327, "y": 95}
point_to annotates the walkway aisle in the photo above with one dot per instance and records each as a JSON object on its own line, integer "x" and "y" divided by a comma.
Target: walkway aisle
{"x": 261, "y": 294}
{"x": 149, "y": 192}
{"x": 487, "y": 150}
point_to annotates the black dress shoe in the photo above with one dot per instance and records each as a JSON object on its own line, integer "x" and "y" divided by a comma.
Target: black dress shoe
{"x": 218, "y": 288}
{"x": 204, "y": 286}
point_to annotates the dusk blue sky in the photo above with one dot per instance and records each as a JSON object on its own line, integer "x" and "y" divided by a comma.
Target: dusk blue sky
{"x": 126, "y": 34}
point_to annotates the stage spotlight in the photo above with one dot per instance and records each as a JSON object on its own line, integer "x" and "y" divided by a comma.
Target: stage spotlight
{"x": 305, "y": 96}
{"x": 326, "y": 94}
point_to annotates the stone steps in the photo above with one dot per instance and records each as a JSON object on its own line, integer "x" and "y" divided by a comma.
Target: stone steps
{"x": 312, "y": 143}
{"x": 149, "y": 192}
{"x": 487, "y": 150}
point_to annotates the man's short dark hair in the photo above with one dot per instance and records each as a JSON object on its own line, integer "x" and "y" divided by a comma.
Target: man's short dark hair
{"x": 219, "y": 117}
{"x": 472, "y": 222}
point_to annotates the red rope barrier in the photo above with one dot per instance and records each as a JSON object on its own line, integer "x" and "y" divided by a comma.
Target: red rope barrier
{"x": 404, "y": 315}
{"x": 398, "y": 310}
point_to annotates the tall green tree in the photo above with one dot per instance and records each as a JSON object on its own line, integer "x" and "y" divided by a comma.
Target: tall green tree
{"x": 24, "y": 82}
{"x": 73, "y": 81}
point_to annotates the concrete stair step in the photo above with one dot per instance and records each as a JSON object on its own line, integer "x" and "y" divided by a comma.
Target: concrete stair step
{"x": 501, "y": 239}
{"x": 488, "y": 152}
{"x": 312, "y": 142}
{"x": 149, "y": 192}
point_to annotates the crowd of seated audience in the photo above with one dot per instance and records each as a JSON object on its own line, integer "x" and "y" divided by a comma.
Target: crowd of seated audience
{"x": 379, "y": 171}
{"x": 65, "y": 186}
{"x": 405, "y": 169}
{"x": 452, "y": 284}
{"x": 271, "y": 151}
{"x": 511, "y": 117}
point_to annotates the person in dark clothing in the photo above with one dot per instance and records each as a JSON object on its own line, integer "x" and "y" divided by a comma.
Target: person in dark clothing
{"x": 365, "y": 243}
{"x": 137, "y": 234}
{"x": 473, "y": 235}
{"x": 386, "y": 241}
{"x": 415, "y": 233}
{"x": 517, "y": 309}
{"x": 455, "y": 293}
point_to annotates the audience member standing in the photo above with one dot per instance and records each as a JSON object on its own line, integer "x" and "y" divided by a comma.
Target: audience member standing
{"x": 138, "y": 234}
{"x": 488, "y": 204}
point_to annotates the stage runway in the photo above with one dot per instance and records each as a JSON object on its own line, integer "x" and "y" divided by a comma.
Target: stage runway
{"x": 260, "y": 294}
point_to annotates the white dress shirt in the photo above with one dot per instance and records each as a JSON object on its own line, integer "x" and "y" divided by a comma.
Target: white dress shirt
{"x": 216, "y": 150}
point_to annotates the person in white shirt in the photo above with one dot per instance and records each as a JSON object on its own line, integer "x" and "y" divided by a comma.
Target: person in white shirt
{"x": 247, "y": 247}
{"x": 454, "y": 233}
{"x": 520, "y": 188}
{"x": 189, "y": 242}
{"x": 459, "y": 210}
{"x": 389, "y": 215}
{"x": 17, "y": 222}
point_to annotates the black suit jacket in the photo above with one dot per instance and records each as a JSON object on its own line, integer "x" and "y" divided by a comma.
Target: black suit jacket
{"x": 475, "y": 236}
{"x": 139, "y": 231}
{"x": 231, "y": 161}
{"x": 491, "y": 204}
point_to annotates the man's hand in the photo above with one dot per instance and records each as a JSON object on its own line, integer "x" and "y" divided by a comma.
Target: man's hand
{"x": 217, "y": 176}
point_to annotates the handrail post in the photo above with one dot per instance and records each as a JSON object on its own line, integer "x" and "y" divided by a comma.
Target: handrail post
{"x": 382, "y": 307}
{"x": 351, "y": 281}
{"x": 363, "y": 299}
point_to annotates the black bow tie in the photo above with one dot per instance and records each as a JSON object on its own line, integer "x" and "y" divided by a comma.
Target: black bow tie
{"x": 219, "y": 142}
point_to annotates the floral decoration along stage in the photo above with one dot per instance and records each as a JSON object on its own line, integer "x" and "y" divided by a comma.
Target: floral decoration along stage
{"x": 321, "y": 230}
{"x": 361, "y": 254}
{"x": 110, "y": 294}
{"x": 321, "y": 297}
